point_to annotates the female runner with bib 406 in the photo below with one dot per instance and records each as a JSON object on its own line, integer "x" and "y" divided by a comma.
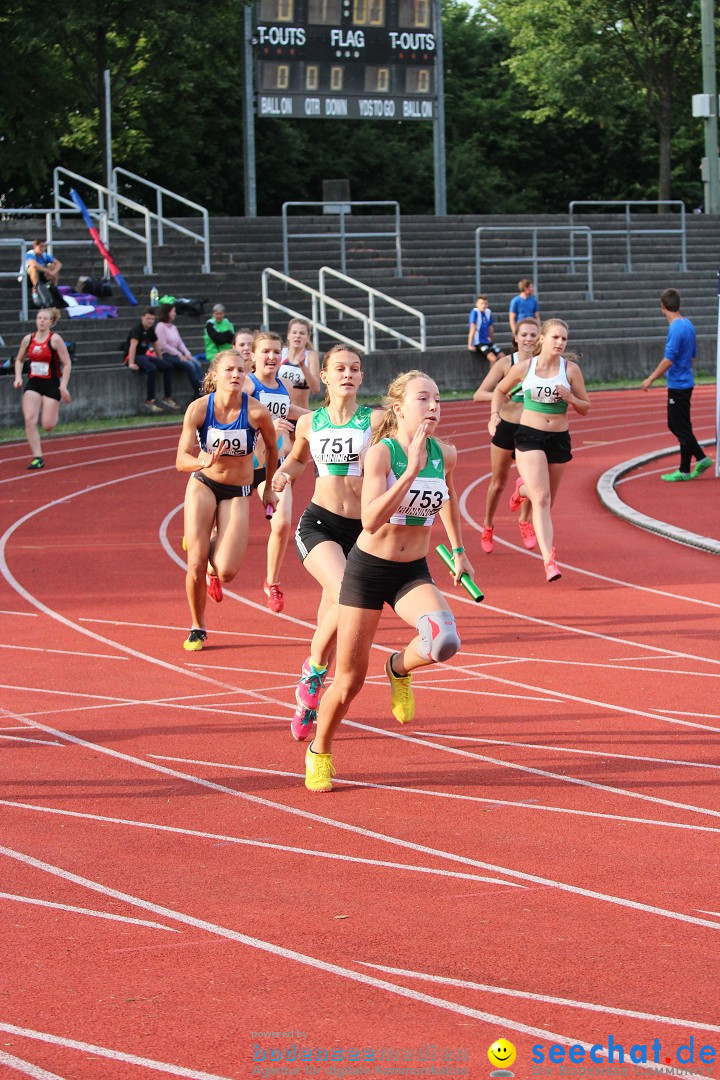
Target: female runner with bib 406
{"x": 550, "y": 384}
{"x": 225, "y": 423}
{"x": 408, "y": 481}
{"x": 336, "y": 437}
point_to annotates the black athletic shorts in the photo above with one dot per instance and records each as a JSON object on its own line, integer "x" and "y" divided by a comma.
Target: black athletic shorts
{"x": 258, "y": 477}
{"x": 555, "y": 445}
{"x": 370, "y": 582}
{"x": 504, "y": 436}
{"x": 486, "y": 350}
{"x": 318, "y": 525}
{"x": 224, "y": 491}
{"x": 46, "y": 387}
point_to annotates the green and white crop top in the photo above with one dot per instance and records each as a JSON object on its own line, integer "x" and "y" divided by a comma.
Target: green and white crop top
{"x": 339, "y": 449}
{"x": 517, "y": 394}
{"x": 540, "y": 395}
{"x": 429, "y": 489}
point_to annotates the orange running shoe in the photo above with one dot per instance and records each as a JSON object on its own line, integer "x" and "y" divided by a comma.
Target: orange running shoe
{"x": 527, "y": 532}
{"x": 516, "y": 498}
{"x": 214, "y": 588}
{"x": 486, "y": 540}
{"x": 552, "y": 571}
{"x": 276, "y": 600}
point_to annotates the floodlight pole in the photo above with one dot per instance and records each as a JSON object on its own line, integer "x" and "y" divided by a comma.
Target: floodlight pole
{"x": 712, "y": 188}
{"x": 439, "y": 119}
{"x": 249, "y": 114}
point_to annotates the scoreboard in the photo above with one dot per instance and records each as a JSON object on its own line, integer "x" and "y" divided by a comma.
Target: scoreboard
{"x": 346, "y": 59}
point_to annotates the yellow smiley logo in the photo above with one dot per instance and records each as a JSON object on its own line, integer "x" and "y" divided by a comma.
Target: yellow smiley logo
{"x": 502, "y": 1054}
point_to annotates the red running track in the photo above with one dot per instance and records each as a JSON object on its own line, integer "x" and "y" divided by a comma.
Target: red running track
{"x": 535, "y": 859}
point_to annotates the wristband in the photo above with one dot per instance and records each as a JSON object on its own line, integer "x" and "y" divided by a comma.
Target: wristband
{"x": 458, "y": 551}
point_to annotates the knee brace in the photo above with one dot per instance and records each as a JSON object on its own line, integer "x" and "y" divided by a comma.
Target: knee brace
{"x": 438, "y": 636}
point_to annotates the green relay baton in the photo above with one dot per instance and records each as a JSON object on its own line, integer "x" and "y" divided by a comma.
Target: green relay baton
{"x": 466, "y": 581}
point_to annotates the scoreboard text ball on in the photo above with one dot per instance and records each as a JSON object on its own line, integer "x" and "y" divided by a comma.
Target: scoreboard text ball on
{"x": 346, "y": 59}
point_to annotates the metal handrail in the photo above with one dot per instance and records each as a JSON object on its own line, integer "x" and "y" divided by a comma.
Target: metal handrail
{"x": 343, "y": 234}
{"x": 102, "y": 191}
{"x": 317, "y": 324}
{"x": 162, "y": 220}
{"x": 628, "y": 231}
{"x": 535, "y": 258}
{"x": 372, "y": 294}
{"x": 25, "y": 245}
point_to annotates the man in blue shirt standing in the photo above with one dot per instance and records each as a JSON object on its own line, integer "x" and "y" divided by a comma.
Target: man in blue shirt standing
{"x": 677, "y": 365}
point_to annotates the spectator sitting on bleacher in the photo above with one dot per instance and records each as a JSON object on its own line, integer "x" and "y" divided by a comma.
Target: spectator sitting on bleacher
{"x": 141, "y": 355}
{"x": 218, "y": 334}
{"x": 172, "y": 347}
{"x": 41, "y": 266}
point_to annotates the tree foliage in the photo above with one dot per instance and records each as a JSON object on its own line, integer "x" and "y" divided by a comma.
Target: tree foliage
{"x": 545, "y": 101}
{"x": 598, "y": 59}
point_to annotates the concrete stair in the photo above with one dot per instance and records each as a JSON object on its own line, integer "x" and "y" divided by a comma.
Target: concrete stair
{"x": 439, "y": 277}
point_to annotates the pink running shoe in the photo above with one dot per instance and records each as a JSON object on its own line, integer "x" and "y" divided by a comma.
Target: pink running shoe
{"x": 214, "y": 588}
{"x": 527, "y": 532}
{"x": 307, "y": 693}
{"x": 552, "y": 571}
{"x": 516, "y": 498}
{"x": 486, "y": 540}
{"x": 276, "y": 600}
{"x": 301, "y": 723}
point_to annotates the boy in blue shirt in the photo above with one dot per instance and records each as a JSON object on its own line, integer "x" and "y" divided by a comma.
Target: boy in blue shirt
{"x": 41, "y": 266}
{"x": 524, "y": 305}
{"x": 481, "y": 333}
{"x": 677, "y": 366}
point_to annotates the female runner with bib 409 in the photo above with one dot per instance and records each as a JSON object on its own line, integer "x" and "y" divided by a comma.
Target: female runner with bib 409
{"x": 408, "y": 480}
{"x": 226, "y": 424}
{"x": 550, "y": 384}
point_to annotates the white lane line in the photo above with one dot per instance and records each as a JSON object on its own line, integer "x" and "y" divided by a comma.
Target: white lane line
{"x": 524, "y": 995}
{"x": 24, "y": 738}
{"x": 63, "y": 652}
{"x": 530, "y": 805}
{"x": 357, "y": 830}
{"x": 183, "y": 628}
{"x": 566, "y": 749}
{"x": 515, "y": 766}
{"x": 126, "y": 649}
{"x": 86, "y": 911}
{"x": 277, "y": 951}
{"x": 105, "y": 1052}
{"x": 20, "y": 614}
{"x": 626, "y": 710}
{"x": 611, "y": 665}
{"x": 710, "y": 912}
{"x": 87, "y": 463}
{"x": 314, "y": 853}
{"x": 580, "y": 570}
{"x": 26, "y": 1067}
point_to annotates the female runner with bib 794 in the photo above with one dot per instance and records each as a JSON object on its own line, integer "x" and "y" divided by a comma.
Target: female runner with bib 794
{"x": 408, "y": 480}
{"x": 550, "y": 384}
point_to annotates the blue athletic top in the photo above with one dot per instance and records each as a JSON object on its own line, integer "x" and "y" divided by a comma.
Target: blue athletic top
{"x": 238, "y": 438}
{"x": 522, "y": 306}
{"x": 482, "y": 320}
{"x": 276, "y": 400}
{"x": 681, "y": 348}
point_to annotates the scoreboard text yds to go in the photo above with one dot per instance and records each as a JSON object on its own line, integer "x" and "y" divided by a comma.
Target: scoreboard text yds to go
{"x": 349, "y": 108}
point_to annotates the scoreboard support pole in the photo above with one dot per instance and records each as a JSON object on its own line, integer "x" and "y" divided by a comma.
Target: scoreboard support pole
{"x": 249, "y": 114}
{"x": 439, "y": 160}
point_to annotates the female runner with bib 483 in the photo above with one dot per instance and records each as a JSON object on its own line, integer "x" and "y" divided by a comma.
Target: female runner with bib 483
{"x": 226, "y": 424}
{"x": 408, "y": 480}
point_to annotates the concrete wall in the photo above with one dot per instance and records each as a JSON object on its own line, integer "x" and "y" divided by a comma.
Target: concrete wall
{"x": 99, "y": 392}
